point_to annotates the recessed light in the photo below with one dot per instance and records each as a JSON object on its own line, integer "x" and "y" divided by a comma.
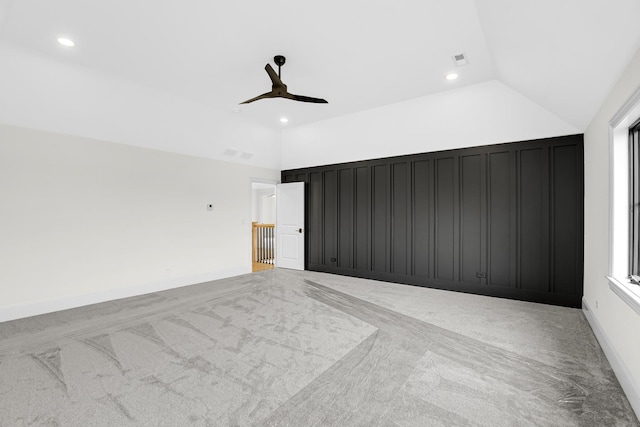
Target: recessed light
{"x": 236, "y": 111}
{"x": 284, "y": 120}
{"x": 451, "y": 76}
{"x": 66, "y": 42}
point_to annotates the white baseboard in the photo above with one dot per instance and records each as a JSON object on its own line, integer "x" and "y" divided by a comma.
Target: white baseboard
{"x": 34, "y": 308}
{"x": 630, "y": 387}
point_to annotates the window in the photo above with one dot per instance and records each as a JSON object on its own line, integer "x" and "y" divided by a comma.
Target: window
{"x": 624, "y": 134}
{"x": 634, "y": 199}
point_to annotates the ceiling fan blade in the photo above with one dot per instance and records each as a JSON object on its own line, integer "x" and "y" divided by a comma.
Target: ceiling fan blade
{"x": 275, "y": 80}
{"x": 303, "y": 98}
{"x": 263, "y": 96}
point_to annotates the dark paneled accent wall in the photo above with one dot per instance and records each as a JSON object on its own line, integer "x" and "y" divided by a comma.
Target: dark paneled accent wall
{"x": 502, "y": 220}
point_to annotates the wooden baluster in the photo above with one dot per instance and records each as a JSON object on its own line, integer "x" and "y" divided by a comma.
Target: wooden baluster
{"x": 254, "y": 242}
{"x": 270, "y": 245}
{"x": 260, "y": 244}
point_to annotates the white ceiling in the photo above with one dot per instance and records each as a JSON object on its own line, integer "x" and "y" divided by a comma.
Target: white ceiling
{"x": 562, "y": 54}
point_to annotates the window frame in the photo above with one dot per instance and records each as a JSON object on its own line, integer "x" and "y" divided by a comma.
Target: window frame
{"x": 634, "y": 198}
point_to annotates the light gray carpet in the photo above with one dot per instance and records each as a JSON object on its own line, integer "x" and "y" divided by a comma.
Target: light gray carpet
{"x": 307, "y": 349}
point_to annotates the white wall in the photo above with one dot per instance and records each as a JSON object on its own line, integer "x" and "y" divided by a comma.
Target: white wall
{"x": 617, "y": 321}
{"x": 84, "y": 220}
{"x": 486, "y": 113}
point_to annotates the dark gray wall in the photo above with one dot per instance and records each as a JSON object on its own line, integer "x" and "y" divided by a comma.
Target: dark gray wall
{"x": 502, "y": 220}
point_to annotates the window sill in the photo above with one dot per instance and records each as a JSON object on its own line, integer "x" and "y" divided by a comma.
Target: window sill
{"x": 627, "y": 291}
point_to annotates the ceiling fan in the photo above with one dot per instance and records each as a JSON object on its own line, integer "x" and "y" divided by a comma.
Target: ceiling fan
{"x": 279, "y": 89}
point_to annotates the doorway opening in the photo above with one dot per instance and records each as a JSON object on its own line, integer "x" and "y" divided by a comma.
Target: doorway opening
{"x": 263, "y": 219}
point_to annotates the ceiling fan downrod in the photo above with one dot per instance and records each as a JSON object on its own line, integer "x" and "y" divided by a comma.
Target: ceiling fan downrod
{"x": 279, "y": 60}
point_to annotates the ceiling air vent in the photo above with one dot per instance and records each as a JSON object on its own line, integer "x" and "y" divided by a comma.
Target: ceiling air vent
{"x": 460, "y": 59}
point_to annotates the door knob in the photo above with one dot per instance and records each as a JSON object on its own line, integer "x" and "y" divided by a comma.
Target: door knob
{"x": 299, "y": 230}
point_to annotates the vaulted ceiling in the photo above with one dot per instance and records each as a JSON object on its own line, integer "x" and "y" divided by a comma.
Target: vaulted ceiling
{"x": 563, "y": 55}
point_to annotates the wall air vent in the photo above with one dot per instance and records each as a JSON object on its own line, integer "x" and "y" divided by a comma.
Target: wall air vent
{"x": 460, "y": 59}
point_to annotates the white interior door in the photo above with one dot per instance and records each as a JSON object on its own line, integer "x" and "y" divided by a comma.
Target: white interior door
{"x": 290, "y": 225}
